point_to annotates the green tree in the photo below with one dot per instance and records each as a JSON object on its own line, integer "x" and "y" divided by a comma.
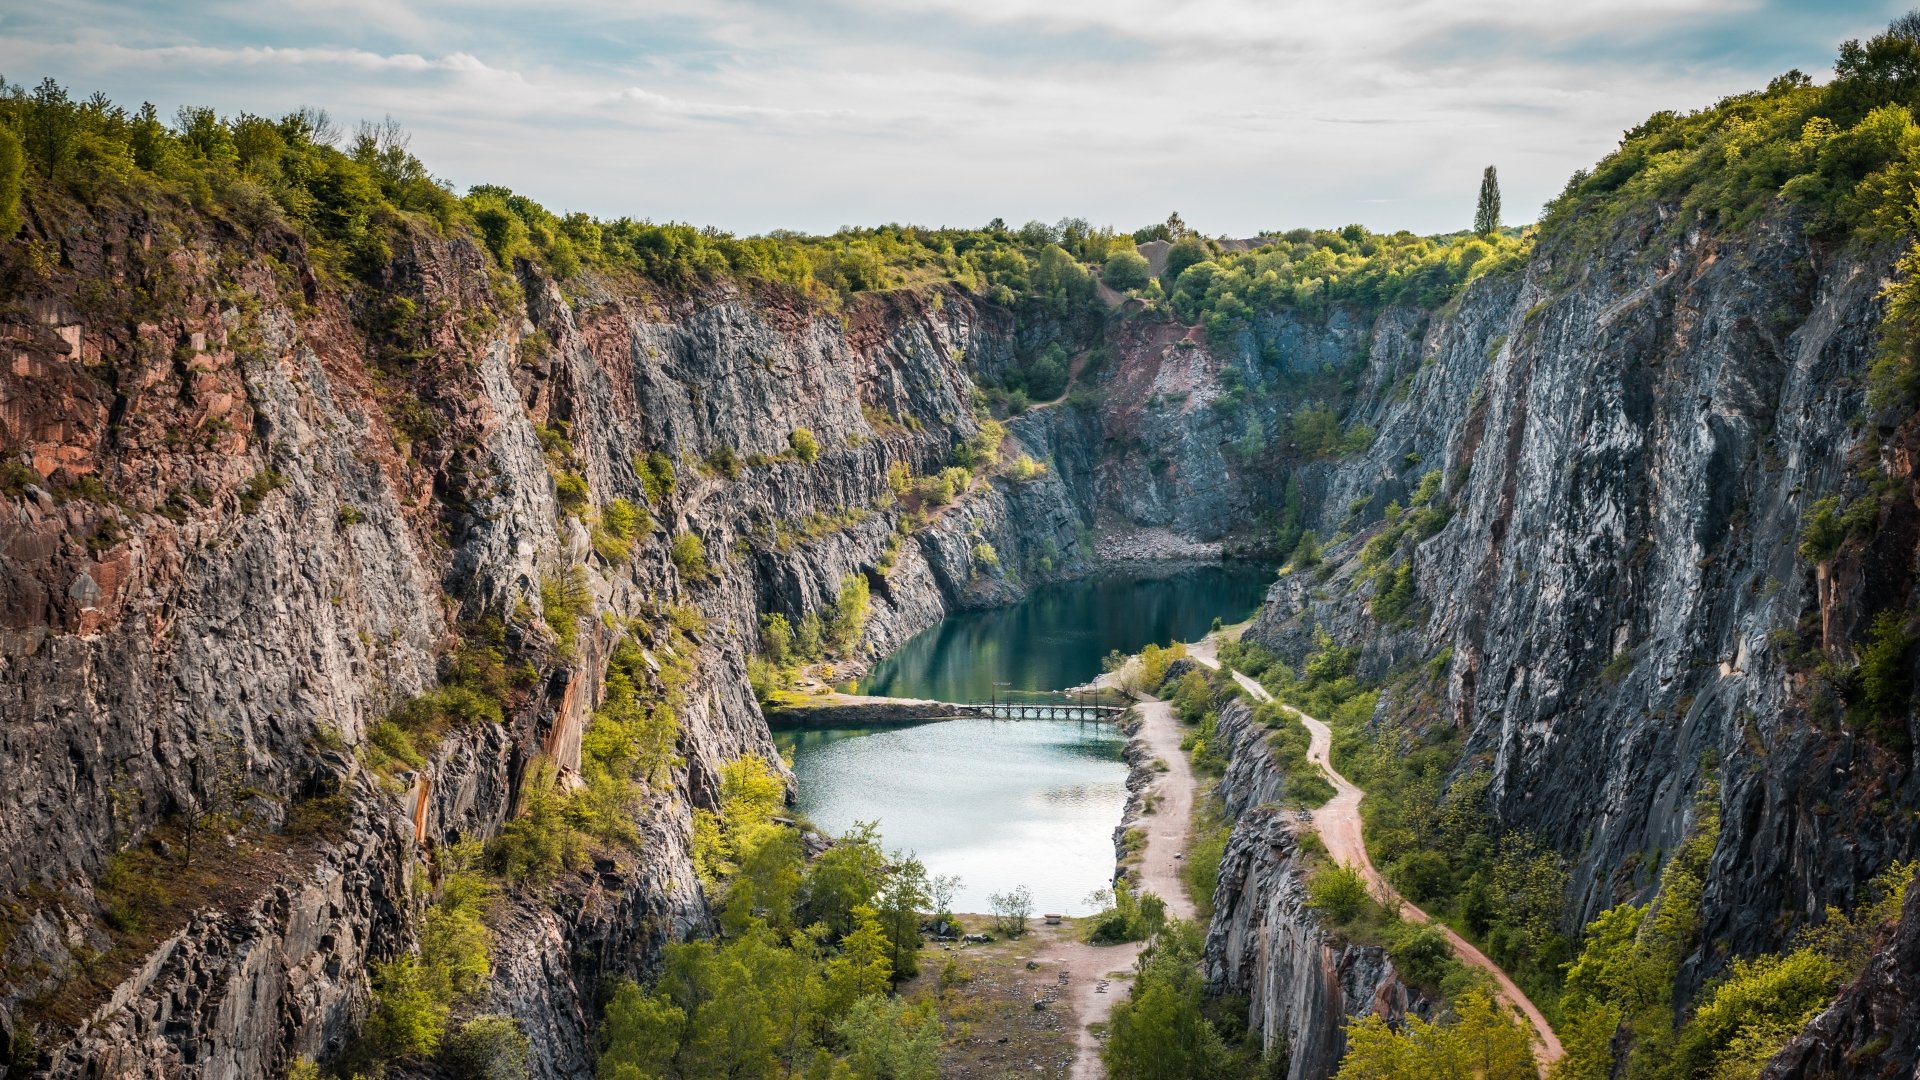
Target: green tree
{"x": 850, "y": 610}
{"x": 1339, "y": 893}
{"x": 862, "y": 968}
{"x": 889, "y": 1039}
{"x": 902, "y": 900}
{"x": 641, "y": 1034}
{"x": 1482, "y": 1043}
{"x": 1486, "y": 216}
{"x": 776, "y": 638}
{"x": 1126, "y": 269}
{"x": 52, "y": 124}
{"x": 13, "y": 163}
{"x": 846, "y": 877}
{"x": 1185, "y": 252}
{"x": 1161, "y": 1032}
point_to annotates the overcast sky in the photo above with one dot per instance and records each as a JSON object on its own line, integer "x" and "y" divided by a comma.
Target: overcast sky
{"x": 1244, "y": 115}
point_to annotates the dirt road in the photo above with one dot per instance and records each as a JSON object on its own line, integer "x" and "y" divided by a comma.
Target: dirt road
{"x": 1339, "y": 825}
{"x": 1092, "y": 995}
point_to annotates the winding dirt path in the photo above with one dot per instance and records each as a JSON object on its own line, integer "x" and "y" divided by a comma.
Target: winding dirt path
{"x": 1092, "y": 994}
{"x": 1339, "y": 825}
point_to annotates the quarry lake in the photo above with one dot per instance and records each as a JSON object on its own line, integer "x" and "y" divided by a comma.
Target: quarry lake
{"x": 1008, "y": 803}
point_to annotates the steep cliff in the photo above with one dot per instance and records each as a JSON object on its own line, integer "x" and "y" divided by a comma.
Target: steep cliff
{"x": 1634, "y": 433}
{"x": 1265, "y": 943}
{"x": 253, "y": 509}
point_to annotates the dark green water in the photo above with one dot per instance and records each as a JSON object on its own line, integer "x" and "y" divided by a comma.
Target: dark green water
{"x": 1008, "y": 803}
{"x": 1056, "y": 637}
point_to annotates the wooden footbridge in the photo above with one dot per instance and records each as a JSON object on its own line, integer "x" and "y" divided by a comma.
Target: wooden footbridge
{"x": 1044, "y": 710}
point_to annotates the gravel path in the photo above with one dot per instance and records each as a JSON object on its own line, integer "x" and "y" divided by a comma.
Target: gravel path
{"x": 1339, "y": 825}
{"x": 1093, "y": 994}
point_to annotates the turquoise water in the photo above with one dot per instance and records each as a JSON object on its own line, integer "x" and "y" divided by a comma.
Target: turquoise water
{"x": 999, "y": 803}
{"x": 1056, "y": 637}
{"x": 1008, "y": 803}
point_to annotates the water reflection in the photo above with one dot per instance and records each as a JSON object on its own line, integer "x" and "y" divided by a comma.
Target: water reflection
{"x": 1000, "y": 803}
{"x": 1057, "y": 636}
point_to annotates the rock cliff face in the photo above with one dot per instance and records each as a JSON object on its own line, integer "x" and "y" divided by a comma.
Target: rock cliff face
{"x": 1264, "y": 943}
{"x": 252, "y": 508}
{"x": 1633, "y": 430}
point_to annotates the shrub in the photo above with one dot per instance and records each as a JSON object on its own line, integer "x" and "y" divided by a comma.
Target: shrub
{"x": 1123, "y": 916}
{"x": 1821, "y": 535}
{"x": 564, "y": 601}
{"x": 1161, "y": 1030}
{"x": 1423, "y": 875}
{"x": 776, "y": 638}
{"x": 805, "y": 446}
{"x": 1339, "y": 893}
{"x": 486, "y": 1048}
{"x": 540, "y": 842}
{"x": 1026, "y": 470}
{"x": 620, "y": 521}
{"x": 1185, "y": 252}
{"x": 656, "y": 478}
{"x": 1011, "y": 910}
{"x": 982, "y": 447}
{"x": 1126, "y": 270}
{"x": 724, "y": 461}
{"x": 689, "y": 555}
{"x": 1482, "y": 1041}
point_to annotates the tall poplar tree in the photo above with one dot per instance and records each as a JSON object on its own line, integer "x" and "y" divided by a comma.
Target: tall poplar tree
{"x": 1486, "y": 219}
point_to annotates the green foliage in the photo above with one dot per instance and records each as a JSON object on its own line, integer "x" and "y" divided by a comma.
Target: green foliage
{"x": 982, "y": 448}
{"x": 414, "y": 994}
{"x": 613, "y": 534}
{"x": 1486, "y": 215}
{"x": 1011, "y": 910}
{"x": 689, "y": 554}
{"x": 804, "y": 445}
{"x": 630, "y": 744}
{"x": 1886, "y": 690}
{"x": 1821, "y": 535}
{"x": 1306, "y": 787}
{"x": 13, "y": 163}
{"x": 1483, "y": 1041}
{"x": 798, "y": 984}
{"x": 486, "y": 1048}
{"x": 850, "y": 610}
{"x": 1161, "y": 1031}
{"x": 776, "y": 639}
{"x": 1312, "y": 270}
{"x": 542, "y": 840}
{"x": 1207, "y": 834}
{"x": 1125, "y": 270}
{"x": 656, "y": 478}
{"x": 1623, "y": 978}
{"x": 1122, "y": 916}
{"x": 1153, "y": 663}
{"x": 891, "y": 1039}
{"x": 1339, "y": 893}
{"x": 1025, "y": 470}
{"x": 564, "y": 601}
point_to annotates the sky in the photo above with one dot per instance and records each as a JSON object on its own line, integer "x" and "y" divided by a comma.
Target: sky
{"x": 752, "y": 115}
